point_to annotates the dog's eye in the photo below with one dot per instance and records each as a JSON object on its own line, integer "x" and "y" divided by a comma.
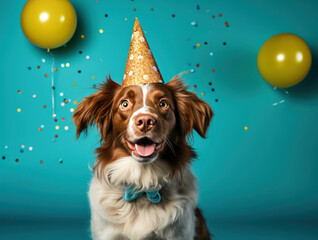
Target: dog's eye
{"x": 163, "y": 104}
{"x": 124, "y": 104}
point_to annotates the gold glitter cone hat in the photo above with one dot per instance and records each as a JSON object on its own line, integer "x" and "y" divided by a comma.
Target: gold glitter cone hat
{"x": 141, "y": 67}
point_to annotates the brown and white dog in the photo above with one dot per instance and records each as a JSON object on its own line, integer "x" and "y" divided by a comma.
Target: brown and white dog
{"x": 144, "y": 131}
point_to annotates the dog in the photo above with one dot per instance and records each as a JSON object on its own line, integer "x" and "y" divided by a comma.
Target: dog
{"x": 142, "y": 186}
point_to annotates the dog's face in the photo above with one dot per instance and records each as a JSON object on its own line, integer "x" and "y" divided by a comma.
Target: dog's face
{"x": 149, "y": 121}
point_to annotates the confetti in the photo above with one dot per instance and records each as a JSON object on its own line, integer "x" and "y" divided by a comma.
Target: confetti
{"x": 34, "y": 95}
{"x": 67, "y": 64}
{"x": 213, "y": 70}
{"x": 106, "y": 15}
{"x": 41, "y": 161}
{"x": 216, "y": 100}
{"x": 19, "y": 91}
{"x": 198, "y": 44}
{"x": 31, "y": 148}
{"x": 17, "y": 160}
{"x": 61, "y": 94}
{"x": 79, "y": 71}
{"x": 211, "y": 53}
{"x": 3, "y": 157}
{"x": 19, "y": 109}
{"x": 6, "y": 147}
{"x": 75, "y": 84}
{"x": 44, "y": 106}
{"x": 75, "y": 102}
{"x": 43, "y": 60}
{"x": 63, "y": 119}
{"x": 42, "y": 126}
{"x": 66, "y": 128}
{"x": 62, "y": 65}
{"x": 93, "y": 77}
{"x": 57, "y": 127}
{"x": 192, "y": 70}
{"x": 212, "y": 89}
{"x": 194, "y": 23}
{"x": 21, "y": 150}
{"x": 87, "y": 57}
{"x": 22, "y": 146}
{"x": 72, "y": 110}
{"x": 210, "y": 83}
{"x": 46, "y": 75}
{"x": 40, "y": 129}
{"x": 101, "y": 30}
{"x": 38, "y": 66}
{"x": 173, "y": 15}
{"x": 61, "y": 160}
{"x": 29, "y": 68}
{"x": 55, "y": 69}
{"x": 245, "y": 127}
{"x": 82, "y": 36}
{"x": 62, "y": 104}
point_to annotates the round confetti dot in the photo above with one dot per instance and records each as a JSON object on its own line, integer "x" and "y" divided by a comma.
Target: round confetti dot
{"x": 56, "y": 136}
{"x": 34, "y": 95}
{"x": 245, "y": 127}
{"x": 61, "y": 160}
{"x": 213, "y": 70}
{"x": 87, "y": 57}
{"x": 198, "y": 65}
{"x": 195, "y": 86}
{"x": 72, "y": 110}
{"x": 210, "y": 83}
{"x": 65, "y": 100}
{"x": 46, "y": 75}
{"x": 30, "y": 148}
{"x": 80, "y": 52}
{"x": 41, "y": 161}
{"x": 212, "y": 89}
{"x": 226, "y": 23}
{"x": 3, "y": 157}
{"x": 75, "y": 84}
{"x": 151, "y": 9}
{"x": 43, "y": 60}
{"x": 42, "y": 126}
{"x": 224, "y": 43}
{"x": 53, "y": 140}
{"x": 220, "y": 15}
{"x": 134, "y": 9}
{"x": 79, "y": 71}
{"x": 61, "y": 94}
{"x": 93, "y": 77}
{"x": 75, "y": 102}
{"x": 63, "y": 104}
{"x": 101, "y": 30}
{"x": 57, "y": 127}
{"x": 17, "y": 160}
{"x": 213, "y": 16}
{"x": 66, "y": 128}
{"x": 187, "y": 72}
{"x": 21, "y": 150}
{"x": 62, "y": 65}
{"x": 55, "y": 120}
{"x": 22, "y": 146}
{"x": 192, "y": 70}
{"x": 106, "y": 15}
{"x": 173, "y": 15}
{"x": 82, "y": 36}
{"x": 67, "y": 64}
{"x": 55, "y": 69}
{"x": 38, "y": 67}
{"x": 40, "y": 129}
{"x": 63, "y": 119}
{"x": 203, "y": 93}
{"x": 29, "y": 68}
{"x": 19, "y": 109}
{"x": 205, "y": 43}
{"x": 19, "y": 91}
{"x": 198, "y": 44}
{"x": 216, "y": 100}
{"x": 54, "y": 115}
{"x": 44, "y": 106}
{"x": 211, "y": 53}
{"x": 6, "y": 147}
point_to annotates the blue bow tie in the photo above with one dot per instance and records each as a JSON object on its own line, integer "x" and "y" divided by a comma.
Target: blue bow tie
{"x": 131, "y": 194}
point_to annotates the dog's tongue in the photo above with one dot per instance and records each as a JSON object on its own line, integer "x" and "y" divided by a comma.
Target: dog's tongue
{"x": 145, "y": 150}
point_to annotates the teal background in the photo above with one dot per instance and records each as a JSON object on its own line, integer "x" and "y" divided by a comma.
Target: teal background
{"x": 259, "y": 183}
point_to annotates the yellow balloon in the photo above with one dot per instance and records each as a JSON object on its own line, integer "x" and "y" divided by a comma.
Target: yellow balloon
{"x": 48, "y": 23}
{"x": 284, "y": 60}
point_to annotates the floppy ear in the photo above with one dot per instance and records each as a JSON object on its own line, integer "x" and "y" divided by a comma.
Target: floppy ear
{"x": 194, "y": 113}
{"x": 96, "y": 109}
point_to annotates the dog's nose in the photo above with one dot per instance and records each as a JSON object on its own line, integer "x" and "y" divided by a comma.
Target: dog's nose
{"x": 145, "y": 122}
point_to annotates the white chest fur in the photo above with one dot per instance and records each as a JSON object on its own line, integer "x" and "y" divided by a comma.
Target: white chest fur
{"x": 114, "y": 218}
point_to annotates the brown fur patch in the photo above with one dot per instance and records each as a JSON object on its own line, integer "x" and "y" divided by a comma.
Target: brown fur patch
{"x": 202, "y": 232}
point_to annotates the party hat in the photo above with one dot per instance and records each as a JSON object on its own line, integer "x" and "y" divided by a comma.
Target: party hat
{"x": 141, "y": 67}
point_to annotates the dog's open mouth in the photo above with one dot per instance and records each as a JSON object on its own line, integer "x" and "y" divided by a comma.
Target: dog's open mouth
{"x": 144, "y": 147}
